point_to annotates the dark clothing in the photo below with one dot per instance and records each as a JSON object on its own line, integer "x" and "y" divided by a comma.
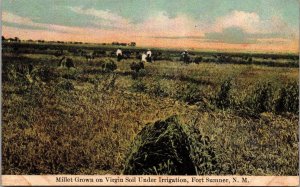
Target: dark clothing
{"x": 185, "y": 57}
{"x": 119, "y": 57}
{"x": 148, "y": 58}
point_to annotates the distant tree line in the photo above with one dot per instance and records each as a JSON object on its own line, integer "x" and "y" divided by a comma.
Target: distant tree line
{"x": 16, "y": 39}
{"x": 124, "y": 44}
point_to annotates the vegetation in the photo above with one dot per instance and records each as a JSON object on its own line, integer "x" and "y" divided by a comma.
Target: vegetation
{"x": 84, "y": 119}
{"x": 168, "y": 147}
{"x": 109, "y": 66}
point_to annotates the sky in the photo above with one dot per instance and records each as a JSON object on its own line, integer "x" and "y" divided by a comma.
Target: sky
{"x": 218, "y": 25}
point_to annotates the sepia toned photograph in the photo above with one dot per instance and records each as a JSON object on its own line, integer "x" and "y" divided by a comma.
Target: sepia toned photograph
{"x": 150, "y": 88}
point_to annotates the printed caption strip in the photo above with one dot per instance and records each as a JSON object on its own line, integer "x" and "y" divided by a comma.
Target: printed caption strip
{"x": 123, "y": 180}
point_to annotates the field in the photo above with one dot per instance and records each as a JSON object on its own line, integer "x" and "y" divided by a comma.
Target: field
{"x": 82, "y": 120}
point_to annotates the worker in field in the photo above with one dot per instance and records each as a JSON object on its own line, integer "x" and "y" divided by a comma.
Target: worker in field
{"x": 185, "y": 56}
{"x": 149, "y": 55}
{"x": 144, "y": 57}
{"x": 119, "y": 54}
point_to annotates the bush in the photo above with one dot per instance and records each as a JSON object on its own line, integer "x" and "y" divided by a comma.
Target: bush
{"x": 288, "y": 99}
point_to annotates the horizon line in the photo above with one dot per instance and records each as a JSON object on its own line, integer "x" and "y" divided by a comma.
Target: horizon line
{"x": 196, "y": 49}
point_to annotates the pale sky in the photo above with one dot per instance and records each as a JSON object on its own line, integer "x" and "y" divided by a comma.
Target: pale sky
{"x": 231, "y": 25}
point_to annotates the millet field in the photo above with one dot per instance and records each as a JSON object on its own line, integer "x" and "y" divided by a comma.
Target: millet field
{"x": 83, "y": 119}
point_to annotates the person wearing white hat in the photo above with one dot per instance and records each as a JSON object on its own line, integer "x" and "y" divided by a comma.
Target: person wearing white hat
{"x": 119, "y": 54}
{"x": 185, "y": 56}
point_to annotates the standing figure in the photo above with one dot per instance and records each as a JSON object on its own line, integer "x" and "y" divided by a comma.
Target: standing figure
{"x": 185, "y": 56}
{"x": 144, "y": 57}
{"x": 149, "y": 55}
{"x": 119, "y": 54}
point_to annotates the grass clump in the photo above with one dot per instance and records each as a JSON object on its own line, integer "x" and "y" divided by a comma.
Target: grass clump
{"x": 109, "y": 65}
{"x": 288, "y": 100}
{"x": 170, "y": 148}
{"x": 192, "y": 94}
{"x": 139, "y": 86}
{"x": 137, "y": 66}
{"x": 223, "y": 99}
{"x": 66, "y": 85}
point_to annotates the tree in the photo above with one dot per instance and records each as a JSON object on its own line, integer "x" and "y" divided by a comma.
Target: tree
{"x": 17, "y": 39}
